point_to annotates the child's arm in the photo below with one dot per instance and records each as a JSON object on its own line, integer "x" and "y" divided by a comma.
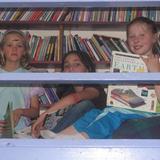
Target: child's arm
{"x": 157, "y": 90}
{"x": 73, "y": 98}
{"x": 87, "y": 93}
{"x": 153, "y": 65}
{"x": 32, "y": 112}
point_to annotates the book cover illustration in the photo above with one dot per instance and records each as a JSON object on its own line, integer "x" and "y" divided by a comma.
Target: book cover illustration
{"x": 138, "y": 97}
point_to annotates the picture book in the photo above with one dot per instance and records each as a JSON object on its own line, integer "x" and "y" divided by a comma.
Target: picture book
{"x": 138, "y": 97}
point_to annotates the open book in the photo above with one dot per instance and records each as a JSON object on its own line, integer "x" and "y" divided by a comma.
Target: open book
{"x": 138, "y": 97}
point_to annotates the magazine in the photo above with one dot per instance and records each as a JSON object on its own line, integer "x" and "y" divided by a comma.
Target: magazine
{"x": 137, "y": 97}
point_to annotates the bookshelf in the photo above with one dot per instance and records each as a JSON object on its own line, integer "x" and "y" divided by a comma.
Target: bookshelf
{"x": 89, "y": 149}
{"x": 65, "y": 19}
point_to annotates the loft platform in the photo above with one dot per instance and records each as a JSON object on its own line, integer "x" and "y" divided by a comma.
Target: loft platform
{"x": 79, "y": 78}
{"x": 41, "y": 149}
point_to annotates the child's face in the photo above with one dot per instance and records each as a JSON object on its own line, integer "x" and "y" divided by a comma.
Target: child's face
{"x": 141, "y": 39}
{"x": 13, "y": 48}
{"x": 73, "y": 63}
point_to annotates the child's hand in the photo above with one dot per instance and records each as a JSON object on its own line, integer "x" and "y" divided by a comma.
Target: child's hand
{"x": 2, "y": 126}
{"x": 17, "y": 113}
{"x": 152, "y": 63}
{"x": 38, "y": 125}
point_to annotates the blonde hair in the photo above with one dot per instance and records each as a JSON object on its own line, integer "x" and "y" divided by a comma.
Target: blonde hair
{"x": 152, "y": 26}
{"x": 25, "y": 58}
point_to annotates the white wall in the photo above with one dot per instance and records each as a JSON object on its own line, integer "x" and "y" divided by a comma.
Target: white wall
{"x": 84, "y": 33}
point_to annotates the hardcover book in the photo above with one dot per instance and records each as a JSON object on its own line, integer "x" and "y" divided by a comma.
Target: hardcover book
{"x": 7, "y": 128}
{"x": 137, "y": 97}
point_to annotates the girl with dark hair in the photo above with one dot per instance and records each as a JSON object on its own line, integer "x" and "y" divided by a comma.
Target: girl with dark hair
{"x": 79, "y": 98}
{"x": 84, "y": 57}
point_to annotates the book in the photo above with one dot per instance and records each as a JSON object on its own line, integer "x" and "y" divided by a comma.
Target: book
{"x": 98, "y": 44}
{"x": 52, "y": 119}
{"x": 49, "y": 95}
{"x": 137, "y": 97}
{"x": 7, "y": 129}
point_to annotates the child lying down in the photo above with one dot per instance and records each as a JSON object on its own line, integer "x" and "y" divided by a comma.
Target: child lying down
{"x": 112, "y": 122}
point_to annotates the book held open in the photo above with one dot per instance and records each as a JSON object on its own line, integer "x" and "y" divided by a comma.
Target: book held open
{"x": 137, "y": 97}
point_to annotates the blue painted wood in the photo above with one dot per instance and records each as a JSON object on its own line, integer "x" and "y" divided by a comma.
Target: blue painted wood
{"x": 77, "y": 78}
{"x": 79, "y": 3}
{"x": 38, "y": 149}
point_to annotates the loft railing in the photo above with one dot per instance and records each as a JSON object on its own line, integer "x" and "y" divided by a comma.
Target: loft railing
{"x": 79, "y": 3}
{"x": 40, "y": 149}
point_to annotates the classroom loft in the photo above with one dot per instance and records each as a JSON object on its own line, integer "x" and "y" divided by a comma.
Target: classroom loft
{"x": 40, "y": 149}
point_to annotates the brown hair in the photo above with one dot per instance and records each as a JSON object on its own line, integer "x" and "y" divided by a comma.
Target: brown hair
{"x": 84, "y": 57}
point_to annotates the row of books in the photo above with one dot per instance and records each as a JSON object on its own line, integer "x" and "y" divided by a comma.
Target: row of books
{"x": 32, "y": 15}
{"x": 111, "y": 15}
{"x": 98, "y": 47}
{"x": 44, "y": 49}
{"x": 49, "y": 96}
{"x": 78, "y": 14}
